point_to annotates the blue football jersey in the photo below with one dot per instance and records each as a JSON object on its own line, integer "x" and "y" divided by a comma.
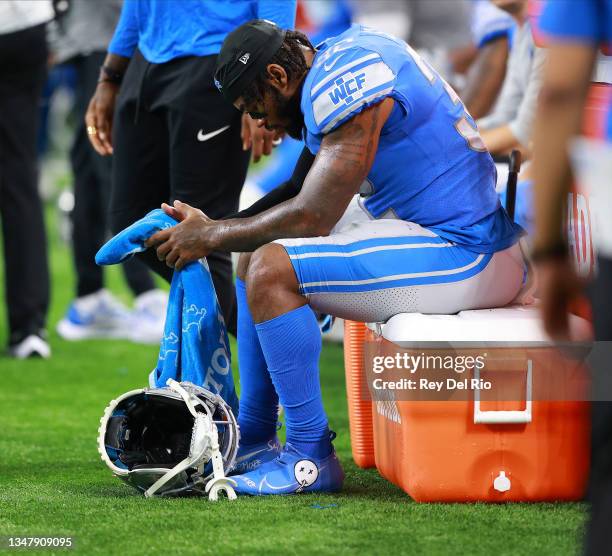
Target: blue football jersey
{"x": 590, "y": 23}
{"x": 431, "y": 166}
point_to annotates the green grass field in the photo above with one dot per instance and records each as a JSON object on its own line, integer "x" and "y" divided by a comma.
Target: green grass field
{"x": 52, "y": 481}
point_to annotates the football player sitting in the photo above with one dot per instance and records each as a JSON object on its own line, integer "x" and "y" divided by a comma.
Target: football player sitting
{"x": 392, "y": 208}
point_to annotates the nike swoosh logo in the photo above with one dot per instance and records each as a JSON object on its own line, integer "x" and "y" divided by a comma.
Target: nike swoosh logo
{"x": 206, "y": 136}
{"x": 329, "y": 66}
{"x": 264, "y": 482}
{"x": 247, "y": 456}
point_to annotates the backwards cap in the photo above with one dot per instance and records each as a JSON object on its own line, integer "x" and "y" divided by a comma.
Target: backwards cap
{"x": 245, "y": 53}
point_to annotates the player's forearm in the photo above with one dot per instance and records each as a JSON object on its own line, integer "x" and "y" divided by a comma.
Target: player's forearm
{"x": 335, "y": 177}
{"x": 485, "y": 78}
{"x": 557, "y": 122}
{"x": 559, "y": 118}
{"x": 283, "y": 192}
{"x": 333, "y": 180}
{"x": 343, "y": 162}
{"x": 286, "y": 220}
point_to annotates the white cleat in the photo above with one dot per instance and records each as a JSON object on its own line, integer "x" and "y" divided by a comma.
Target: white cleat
{"x": 149, "y": 317}
{"x": 31, "y": 346}
{"x": 98, "y": 315}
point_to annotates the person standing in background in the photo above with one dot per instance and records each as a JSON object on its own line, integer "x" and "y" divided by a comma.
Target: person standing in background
{"x": 510, "y": 124}
{"x": 81, "y": 39}
{"x": 434, "y": 29}
{"x": 574, "y": 34}
{"x": 157, "y": 110}
{"x": 23, "y": 66}
{"x": 491, "y": 29}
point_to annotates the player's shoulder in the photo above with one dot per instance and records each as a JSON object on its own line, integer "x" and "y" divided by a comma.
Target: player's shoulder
{"x": 346, "y": 69}
{"x": 351, "y": 46}
{"x": 489, "y": 22}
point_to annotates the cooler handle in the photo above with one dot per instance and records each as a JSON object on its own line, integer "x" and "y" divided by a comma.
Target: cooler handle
{"x": 504, "y": 417}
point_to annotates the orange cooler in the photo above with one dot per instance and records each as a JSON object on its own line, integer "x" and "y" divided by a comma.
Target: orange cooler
{"x": 449, "y": 458}
{"x": 435, "y": 450}
{"x": 360, "y": 408}
{"x": 461, "y": 451}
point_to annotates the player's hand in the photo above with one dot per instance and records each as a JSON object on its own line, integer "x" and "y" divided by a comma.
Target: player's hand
{"x": 186, "y": 242}
{"x": 257, "y": 138}
{"x": 99, "y": 117}
{"x": 558, "y": 284}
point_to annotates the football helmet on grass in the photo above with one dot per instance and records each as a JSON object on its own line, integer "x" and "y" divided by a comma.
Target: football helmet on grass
{"x": 173, "y": 441}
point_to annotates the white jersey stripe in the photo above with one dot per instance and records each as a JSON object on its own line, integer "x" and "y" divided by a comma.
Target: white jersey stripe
{"x": 331, "y": 76}
{"x": 351, "y": 90}
{"x": 449, "y": 272}
{"x": 367, "y": 250}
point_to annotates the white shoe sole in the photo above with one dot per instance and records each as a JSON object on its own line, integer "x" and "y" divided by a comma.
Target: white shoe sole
{"x": 73, "y": 332}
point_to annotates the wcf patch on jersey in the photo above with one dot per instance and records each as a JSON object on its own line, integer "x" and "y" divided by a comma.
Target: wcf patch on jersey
{"x": 347, "y": 88}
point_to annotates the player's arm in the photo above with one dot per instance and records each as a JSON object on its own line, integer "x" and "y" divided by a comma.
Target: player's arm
{"x": 559, "y": 118}
{"x": 101, "y": 109}
{"x": 285, "y": 191}
{"x": 486, "y": 77}
{"x": 342, "y": 163}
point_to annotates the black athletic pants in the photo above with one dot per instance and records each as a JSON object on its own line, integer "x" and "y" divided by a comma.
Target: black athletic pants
{"x": 92, "y": 184}
{"x": 599, "y": 530}
{"x": 23, "y": 69}
{"x": 175, "y": 137}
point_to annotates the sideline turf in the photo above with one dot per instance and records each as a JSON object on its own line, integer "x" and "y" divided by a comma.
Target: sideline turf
{"x": 52, "y": 481}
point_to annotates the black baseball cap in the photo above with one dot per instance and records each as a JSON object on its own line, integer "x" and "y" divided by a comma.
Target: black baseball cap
{"x": 245, "y": 53}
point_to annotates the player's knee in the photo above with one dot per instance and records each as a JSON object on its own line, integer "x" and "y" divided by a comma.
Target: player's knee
{"x": 266, "y": 272}
{"x": 243, "y": 265}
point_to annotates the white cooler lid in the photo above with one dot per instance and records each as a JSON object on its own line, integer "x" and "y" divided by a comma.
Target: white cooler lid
{"x": 507, "y": 324}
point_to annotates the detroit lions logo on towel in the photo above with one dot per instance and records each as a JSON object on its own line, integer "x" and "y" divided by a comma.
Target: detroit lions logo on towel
{"x": 195, "y": 347}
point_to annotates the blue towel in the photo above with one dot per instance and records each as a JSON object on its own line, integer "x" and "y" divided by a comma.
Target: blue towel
{"x": 195, "y": 346}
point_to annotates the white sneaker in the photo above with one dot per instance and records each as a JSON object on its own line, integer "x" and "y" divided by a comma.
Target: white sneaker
{"x": 98, "y": 315}
{"x": 31, "y": 346}
{"x": 149, "y": 317}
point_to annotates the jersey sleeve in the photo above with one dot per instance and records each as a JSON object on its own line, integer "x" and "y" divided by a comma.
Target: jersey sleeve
{"x": 563, "y": 19}
{"x": 126, "y": 34}
{"x": 489, "y": 23}
{"x": 344, "y": 82}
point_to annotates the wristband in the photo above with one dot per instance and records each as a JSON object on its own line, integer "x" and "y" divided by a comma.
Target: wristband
{"x": 110, "y": 75}
{"x": 555, "y": 251}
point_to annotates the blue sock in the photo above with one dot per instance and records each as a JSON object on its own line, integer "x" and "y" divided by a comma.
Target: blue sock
{"x": 258, "y": 412}
{"x": 291, "y": 344}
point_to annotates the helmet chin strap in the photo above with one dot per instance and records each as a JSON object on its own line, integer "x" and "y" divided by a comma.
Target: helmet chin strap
{"x": 204, "y": 438}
